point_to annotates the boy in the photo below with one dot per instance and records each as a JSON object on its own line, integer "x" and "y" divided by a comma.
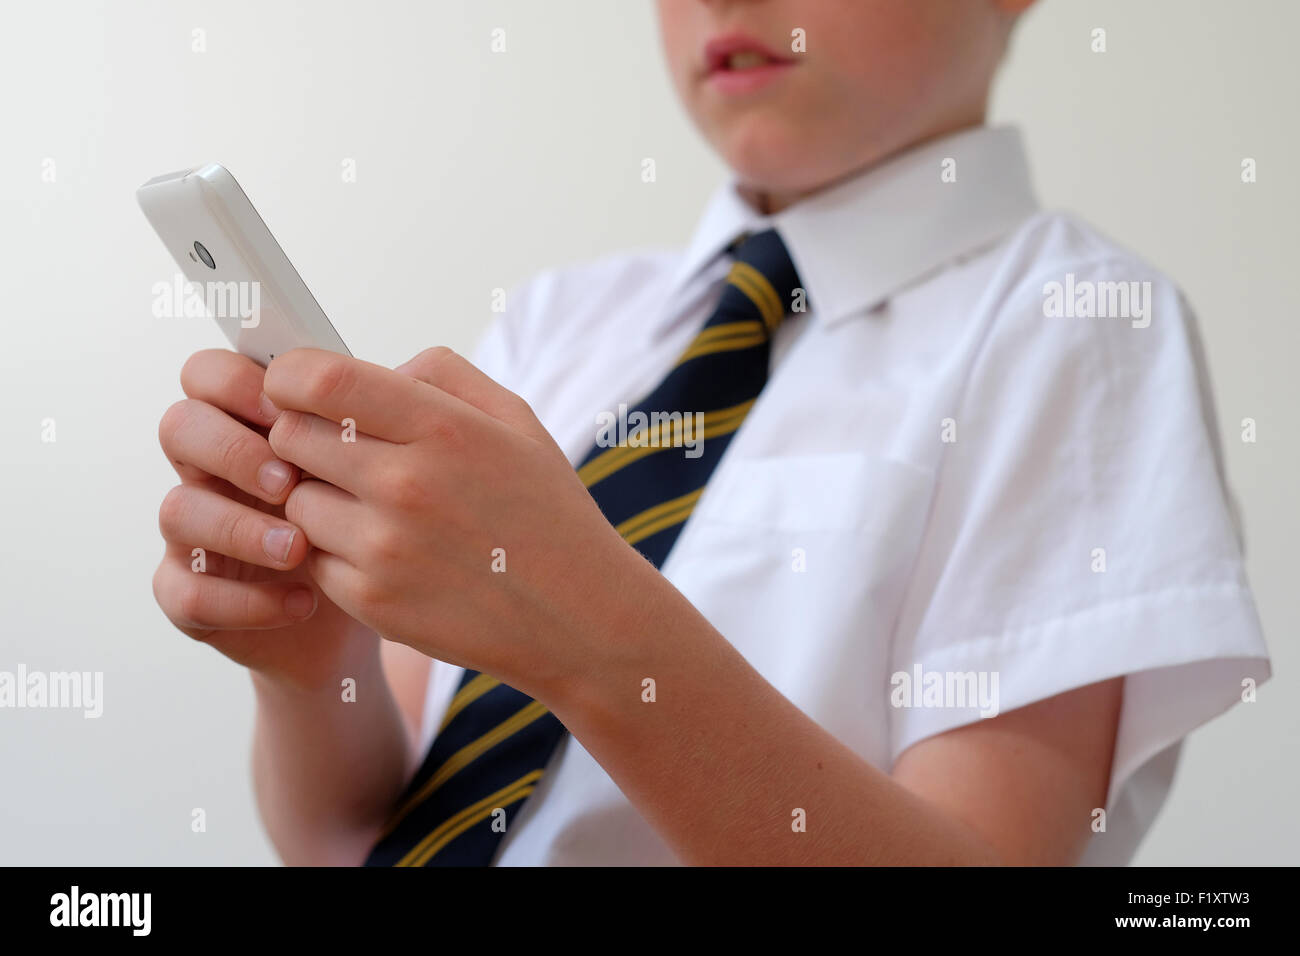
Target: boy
{"x": 895, "y": 556}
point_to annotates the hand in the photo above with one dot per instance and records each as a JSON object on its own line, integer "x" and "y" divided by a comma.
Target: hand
{"x": 255, "y": 602}
{"x": 448, "y": 474}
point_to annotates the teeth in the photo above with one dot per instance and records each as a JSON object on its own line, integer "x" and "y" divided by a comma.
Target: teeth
{"x": 745, "y": 61}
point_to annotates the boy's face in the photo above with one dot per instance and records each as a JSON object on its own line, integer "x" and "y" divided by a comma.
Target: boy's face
{"x": 872, "y": 77}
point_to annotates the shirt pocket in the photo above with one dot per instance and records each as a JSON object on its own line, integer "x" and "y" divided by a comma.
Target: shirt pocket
{"x": 845, "y": 492}
{"x": 801, "y": 562}
{"x": 831, "y": 535}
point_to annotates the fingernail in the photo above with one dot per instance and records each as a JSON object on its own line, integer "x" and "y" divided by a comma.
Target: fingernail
{"x": 277, "y": 542}
{"x": 273, "y": 476}
{"x": 300, "y": 602}
{"x": 267, "y": 408}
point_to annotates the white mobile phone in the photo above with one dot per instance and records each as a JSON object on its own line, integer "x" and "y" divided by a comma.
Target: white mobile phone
{"x": 223, "y": 247}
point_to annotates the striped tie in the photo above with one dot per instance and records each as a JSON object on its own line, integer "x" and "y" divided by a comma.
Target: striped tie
{"x": 495, "y": 742}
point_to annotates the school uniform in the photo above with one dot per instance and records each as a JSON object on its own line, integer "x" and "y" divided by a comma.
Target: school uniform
{"x": 954, "y": 469}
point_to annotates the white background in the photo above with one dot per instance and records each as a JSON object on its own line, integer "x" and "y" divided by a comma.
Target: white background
{"x": 475, "y": 169}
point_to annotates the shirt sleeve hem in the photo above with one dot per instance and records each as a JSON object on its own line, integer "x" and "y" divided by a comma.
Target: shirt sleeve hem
{"x": 1185, "y": 651}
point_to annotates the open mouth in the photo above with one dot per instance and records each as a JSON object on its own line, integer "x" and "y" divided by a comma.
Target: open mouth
{"x": 737, "y": 63}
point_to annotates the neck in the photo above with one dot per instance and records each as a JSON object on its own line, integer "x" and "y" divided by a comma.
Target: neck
{"x": 768, "y": 202}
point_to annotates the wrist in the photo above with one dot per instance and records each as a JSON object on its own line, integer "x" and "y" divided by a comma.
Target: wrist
{"x": 355, "y": 656}
{"x": 647, "y": 632}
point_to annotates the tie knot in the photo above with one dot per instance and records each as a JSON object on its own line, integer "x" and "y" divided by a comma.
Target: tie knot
{"x": 763, "y": 270}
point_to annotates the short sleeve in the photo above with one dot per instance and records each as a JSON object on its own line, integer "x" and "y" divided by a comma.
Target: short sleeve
{"x": 1081, "y": 530}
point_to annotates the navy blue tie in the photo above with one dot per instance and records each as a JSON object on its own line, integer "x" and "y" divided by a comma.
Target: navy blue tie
{"x": 495, "y": 742}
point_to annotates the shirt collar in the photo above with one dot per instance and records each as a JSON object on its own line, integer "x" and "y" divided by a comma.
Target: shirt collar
{"x": 859, "y": 242}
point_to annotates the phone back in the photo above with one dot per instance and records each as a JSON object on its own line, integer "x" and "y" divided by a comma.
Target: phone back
{"x": 234, "y": 265}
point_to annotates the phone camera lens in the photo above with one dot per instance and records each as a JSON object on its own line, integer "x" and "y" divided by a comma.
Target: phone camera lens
{"x": 204, "y": 255}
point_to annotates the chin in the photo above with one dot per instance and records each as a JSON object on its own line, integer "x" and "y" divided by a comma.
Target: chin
{"x": 770, "y": 158}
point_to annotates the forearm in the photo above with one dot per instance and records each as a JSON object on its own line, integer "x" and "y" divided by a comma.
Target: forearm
{"x": 326, "y": 771}
{"x": 721, "y": 764}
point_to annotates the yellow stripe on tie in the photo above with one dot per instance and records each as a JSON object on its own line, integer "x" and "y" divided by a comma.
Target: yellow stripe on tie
{"x": 730, "y": 330}
{"x": 614, "y": 460}
{"x": 727, "y": 329}
{"x": 440, "y": 836}
{"x": 720, "y": 422}
{"x": 482, "y": 815}
{"x": 771, "y": 306}
{"x": 653, "y": 520}
{"x": 607, "y": 463}
{"x": 465, "y": 755}
{"x": 755, "y": 285}
{"x": 471, "y": 751}
{"x": 664, "y": 521}
{"x": 723, "y": 345}
{"x": 471, "y": 692}
{"x": 752, "y": 292}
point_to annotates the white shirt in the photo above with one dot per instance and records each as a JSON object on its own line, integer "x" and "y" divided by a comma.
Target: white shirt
{"x": 939, "y": 475}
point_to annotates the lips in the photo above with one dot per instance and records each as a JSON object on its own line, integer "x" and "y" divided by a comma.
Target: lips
{"x": 737, "y": 52}
{"x": 738, "y": 63}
